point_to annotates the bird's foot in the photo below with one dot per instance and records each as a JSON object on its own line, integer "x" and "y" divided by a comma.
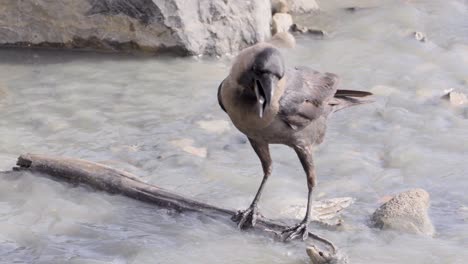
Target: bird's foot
{"x": 246, "y": 218}
{"x": 299, "y": 230}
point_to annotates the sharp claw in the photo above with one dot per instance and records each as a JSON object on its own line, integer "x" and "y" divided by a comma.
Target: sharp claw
{"x": 288, "y": 229}
{"x": 290, "y": 237}
{"x": 254, "y": 218}
{"x": 249, "y": 217}
{"x": 300, "y": 230}
{"x": 305, "y": 235}
{"x": 242, "y": 221}
{"x": 236, "y": 216}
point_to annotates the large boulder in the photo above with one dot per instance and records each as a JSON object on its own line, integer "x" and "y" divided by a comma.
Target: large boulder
{"x": 177, "y": 26}
{"x": 405, "y": 212}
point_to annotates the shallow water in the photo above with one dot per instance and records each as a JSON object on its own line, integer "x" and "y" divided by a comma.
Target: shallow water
{"x": 127, "y": 112}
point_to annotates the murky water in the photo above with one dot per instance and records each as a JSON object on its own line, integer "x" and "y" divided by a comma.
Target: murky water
{"x": 132, "y": 113}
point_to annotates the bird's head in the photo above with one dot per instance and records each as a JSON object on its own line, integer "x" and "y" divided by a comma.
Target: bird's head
{"x": 260, "y": 75}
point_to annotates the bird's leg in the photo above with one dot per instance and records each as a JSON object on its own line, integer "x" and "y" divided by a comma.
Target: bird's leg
{"x": 248, "y": 217}
{"x": 302, "y": 229}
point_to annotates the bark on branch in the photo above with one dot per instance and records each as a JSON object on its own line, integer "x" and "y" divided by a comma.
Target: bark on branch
{"x": 115, "y": 181}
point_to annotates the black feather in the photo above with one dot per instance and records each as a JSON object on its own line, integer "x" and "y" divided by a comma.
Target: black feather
{"x": 352, "y": 93}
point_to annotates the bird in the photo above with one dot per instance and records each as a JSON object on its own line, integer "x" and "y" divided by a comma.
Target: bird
{"x": 274, "y": 104}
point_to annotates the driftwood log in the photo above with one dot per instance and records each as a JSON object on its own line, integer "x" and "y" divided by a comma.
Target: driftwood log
{"x": 114, "y": 181}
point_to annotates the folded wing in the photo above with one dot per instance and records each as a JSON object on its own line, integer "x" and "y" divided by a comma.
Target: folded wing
{"x": 310, "y": 94}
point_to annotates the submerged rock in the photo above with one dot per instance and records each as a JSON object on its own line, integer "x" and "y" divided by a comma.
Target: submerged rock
{"x": 175, "y": 26}
{"x": 186, "y": 144}
{"x": 406, "y": 212}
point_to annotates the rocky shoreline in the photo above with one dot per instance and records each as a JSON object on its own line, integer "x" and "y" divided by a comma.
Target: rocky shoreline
{"x": 208, "y": 27}
{"x": 175, "y": 27}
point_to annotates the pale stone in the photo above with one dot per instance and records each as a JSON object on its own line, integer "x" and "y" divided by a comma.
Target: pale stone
{"x": 302, "y": 6}
{"x": 456, "y": 98}
{"x": 419, "y": 36}
{"x": 405, "y": 212}
{"x": 281, "y": 23}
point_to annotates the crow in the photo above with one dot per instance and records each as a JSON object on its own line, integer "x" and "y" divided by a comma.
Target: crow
{"x": 272, "y": 104}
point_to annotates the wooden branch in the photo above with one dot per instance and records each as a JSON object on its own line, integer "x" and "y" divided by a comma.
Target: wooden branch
{"x": 114, "y": 181}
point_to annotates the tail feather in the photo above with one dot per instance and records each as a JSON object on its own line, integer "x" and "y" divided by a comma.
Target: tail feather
{"x": 352, "y": 93}
{"x": 347, "y": 98}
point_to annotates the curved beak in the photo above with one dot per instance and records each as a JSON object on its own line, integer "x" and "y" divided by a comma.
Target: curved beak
{"x": 264, "y": 90}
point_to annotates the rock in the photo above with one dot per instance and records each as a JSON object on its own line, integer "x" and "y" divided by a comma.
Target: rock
{"x": 455, "y": 98}
{"x": 299, "y": 29}
{"x": 214, "y": 126}
{"x": 281, "y": 23}
{"x": 304, "y": 30}
{"x": 406, "y": 212}
{"x": 322, "y": 211}
{"x": 175, "y": 26}
{"x": 186, "y": 145}
{"x": 283, "y": 40}
{"x": 419, "y": 36}
{"x": 279, "y": 6}
{"x": 303, "y": 6}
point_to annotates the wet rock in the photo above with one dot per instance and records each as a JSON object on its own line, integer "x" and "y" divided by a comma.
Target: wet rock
{"x": 455, "y": 98}
{"x": 281, "y": 23}
{"x": 283, "y": 40}
{"x": 214, "y": 126}
{"x": 157, "y": 26}
{"x": 186, "y": 145}
{"x": 322, "y": 210}
{"x": 419, "y": 36}
{"x": 279, "y": 6}
{"x": 305, "y": 30}
{"x": 406, "y": 212}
